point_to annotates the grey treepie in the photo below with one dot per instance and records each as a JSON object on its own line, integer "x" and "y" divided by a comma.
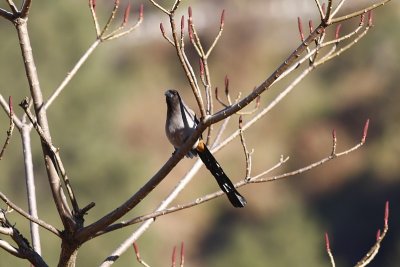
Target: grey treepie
{"x": 180, "y": 124}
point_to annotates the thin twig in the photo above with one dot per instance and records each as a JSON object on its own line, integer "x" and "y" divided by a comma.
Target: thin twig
{"x": 26, "y": 6}
{"x": 72, "y": 73}
{"x": 13, "y": 7}
{"x": 10, "y": 128}
{"x": 6, "y": 14}
{"x": 160, "y": 7}
{"x": 247, "y": 154}
{"x": 111, "y": 18}
{"x": 43, "y": 224}
{"x": 337, "y": 8}
{"x": 321, "y": 12}
{"x": 94, "y": 17}
{"x": 358, "y": 13}
{"x": 55, "y": 155}
{"x": 30, "y": 185}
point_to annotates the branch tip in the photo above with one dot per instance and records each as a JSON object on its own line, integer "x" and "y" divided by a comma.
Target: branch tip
{"x": 378, "y": 234}
{"x": 162, "y": 29}
{"x": 226, "y": 84}
{"x": 327, "y": 244}
{"x": 182, "y": 253}
{"x": 136, "y": 248}
{"x": 10, "y": 105}
{"x": 92, "y": 3}
{"x": 182, "y": 23}
{"x": 190, "y": 13}
{"x": 222, "y": 22}
{"x": 126, "y": 13}
{"x": 311, "y": 25}
{"x": 258, "y": 100}
{"x": 141, "y": 12}
{"x": 337, "y": 31}
{"x": 365, "y": 132}
{"x": 300, "y": 26}
{"x": 386, "y": 219}
{"x": 334, "y": 134}
{"x": 173, "y": 256}
{"x": 370, "y": 18}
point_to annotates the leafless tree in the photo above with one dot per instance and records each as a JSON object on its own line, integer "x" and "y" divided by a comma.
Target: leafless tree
{"x": 318, "y": 45}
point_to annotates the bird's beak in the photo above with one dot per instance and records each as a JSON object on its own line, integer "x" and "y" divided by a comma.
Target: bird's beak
{"x": 168, "y": 93}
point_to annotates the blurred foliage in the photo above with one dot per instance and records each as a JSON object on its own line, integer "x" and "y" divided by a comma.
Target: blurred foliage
{"x": 109, "y": 125}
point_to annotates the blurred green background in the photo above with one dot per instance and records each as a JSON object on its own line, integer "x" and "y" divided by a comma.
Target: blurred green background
{"x": 109, "y": 125}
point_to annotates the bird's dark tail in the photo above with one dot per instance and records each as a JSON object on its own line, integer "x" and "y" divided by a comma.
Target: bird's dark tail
{"x": 223, "y": 181}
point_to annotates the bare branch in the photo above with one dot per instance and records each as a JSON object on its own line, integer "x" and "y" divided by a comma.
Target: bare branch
{"x": 13, "y": 7}
{"x": 92, "y": 6}
{"x": 26, "y": 6}
{"x": 247, "y": 154}
{"x": 10, "y": 128}
{"x": 29, "y": 217}
{"x": 165, "y": 36}
{"x": 71, "y": 74}
{"x": 160, "y": 7}
{"x": 358, "y": 13}
{"x": 6, "y": 14}
{"x": 24, "y": 250}
{"x": 321, "y": 12}
{"x": 111, "y": 18}
{"x": 10, "y": 249}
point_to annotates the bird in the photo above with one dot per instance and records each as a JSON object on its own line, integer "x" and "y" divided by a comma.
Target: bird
{"x": 180, "y": 124}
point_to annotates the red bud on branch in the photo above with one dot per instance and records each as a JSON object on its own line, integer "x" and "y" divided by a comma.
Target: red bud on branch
{"x": 323, "y": 9}
{"x": 190, "y": 13}
{"x": 378, "y": 234}
{"x": 365, "y": 131}
{"x": 258, "y": 101}
{"x": 226, "y": 84}
{"x": 222, "y": 22}
{"x": 370, "y": 18}
{"x": 141, "y": 12}
{"x": 174, "y": 256}
{"x": 327, "y": 244}
{"x": 182, "y": 254}
{"x": 126, "y": 13}
{"x": 162, "y": 29}
{"x": 182, "y": 23}
{"x": 92, "y": 3}
{"x": 10, "y": 105}
{"x": 337, "y": 31}
{"x": 136, "y": 248}
{"x": 386, "y": 214}
{"x": 300, "y": 25}
{"x": 310, "y": 25}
